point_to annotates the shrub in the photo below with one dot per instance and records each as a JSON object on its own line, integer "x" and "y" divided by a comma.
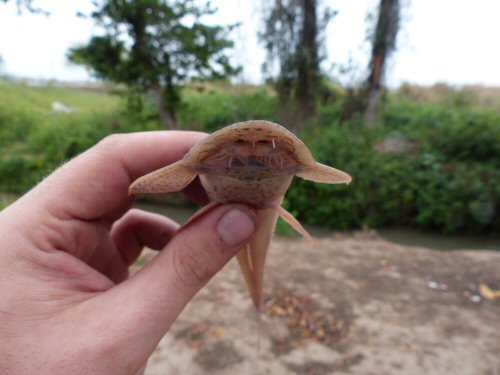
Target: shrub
{"x": 444, "y": 173}
{"x": 447, "y": 177}
{"x": 217, "y": 108}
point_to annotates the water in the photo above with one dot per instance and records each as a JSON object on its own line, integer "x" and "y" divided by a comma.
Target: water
{"x": 179, "y": 214}
{"x": 438, "y": 241}
{"x": 403, "y": 236}
{"x": 400, "y": 235}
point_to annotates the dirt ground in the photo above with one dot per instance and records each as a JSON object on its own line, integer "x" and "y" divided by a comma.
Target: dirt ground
{"x": 354, "y": 305}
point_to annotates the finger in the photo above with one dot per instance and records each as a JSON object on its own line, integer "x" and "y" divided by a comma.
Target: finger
{"x": 97, "y": 181}
{"x": 153, "y": 298}
{"x": 121, "y": 209}
{"x": 138, "y": 229}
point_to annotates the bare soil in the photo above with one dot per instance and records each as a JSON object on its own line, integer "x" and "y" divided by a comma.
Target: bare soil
{"x": 354, "y": 305}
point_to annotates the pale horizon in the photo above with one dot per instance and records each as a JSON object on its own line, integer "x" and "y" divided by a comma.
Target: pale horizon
{"x": 439, "y": 42}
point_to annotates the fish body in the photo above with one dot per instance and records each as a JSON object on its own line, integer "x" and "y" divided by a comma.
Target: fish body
{"x": 252, "y": 163}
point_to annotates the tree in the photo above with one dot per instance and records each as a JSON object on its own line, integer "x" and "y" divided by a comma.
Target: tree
{"x": 28, "y": 5}
{"x": 307, "y": 61}
{"x": 156, "y": 45}
{"x": 383, "y": 44}
{"x": 292, "y": 37}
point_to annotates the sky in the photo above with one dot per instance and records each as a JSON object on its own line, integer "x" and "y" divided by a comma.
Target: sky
{"x": 445, "y": 41}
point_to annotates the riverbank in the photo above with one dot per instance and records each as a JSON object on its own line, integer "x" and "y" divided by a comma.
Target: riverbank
{"x": 355, "y": 304}
{"x": 405, "y": 236}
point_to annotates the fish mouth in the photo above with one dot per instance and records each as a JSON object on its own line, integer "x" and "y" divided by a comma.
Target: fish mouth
{"x": 273, "y": 161}
{"x": 256, "y": 153}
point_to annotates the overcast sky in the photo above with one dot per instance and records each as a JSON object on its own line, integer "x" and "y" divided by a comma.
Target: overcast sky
{"x": 451, "y": 41}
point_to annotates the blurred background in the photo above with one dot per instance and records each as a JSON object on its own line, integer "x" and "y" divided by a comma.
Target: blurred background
{"x": 400, "y": 94}
{"x": 403, "y": 95}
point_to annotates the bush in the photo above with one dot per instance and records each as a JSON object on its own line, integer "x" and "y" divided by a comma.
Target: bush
{"x": 446, "y": 178}
{"x": 429, "y": 165}
{"x": 217, "y": 108}
{"x": 34, "y": 140}
{"x": 18, "y": 173}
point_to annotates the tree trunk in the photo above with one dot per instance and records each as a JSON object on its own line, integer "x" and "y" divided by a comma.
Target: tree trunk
{"x": 167, "y": 115}
{"x": 384, "y": 42}
{"x": 307, "y": 68}
{"x": 144, "y": 65}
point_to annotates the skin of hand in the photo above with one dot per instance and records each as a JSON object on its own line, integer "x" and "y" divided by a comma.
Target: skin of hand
{"x": 67, "y": 305}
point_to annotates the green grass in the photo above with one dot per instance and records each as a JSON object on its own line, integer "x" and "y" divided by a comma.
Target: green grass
{"x": 210, "y": 107}
{"x": 447, "y": 177}
{"x": 6, "y": 199}
{"x": 33, "y": 100}
{"x": 34, "y": 139}
{"x": 25, "y": 110}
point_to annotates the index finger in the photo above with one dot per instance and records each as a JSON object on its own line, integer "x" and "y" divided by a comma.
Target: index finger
{"x": 97, "y": 181}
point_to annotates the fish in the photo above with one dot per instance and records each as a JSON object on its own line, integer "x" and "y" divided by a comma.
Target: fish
{"x": 251, "y": 163}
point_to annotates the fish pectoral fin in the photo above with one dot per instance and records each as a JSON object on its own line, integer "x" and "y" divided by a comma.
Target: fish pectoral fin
{"x": 324, "y": 174}
{"x": 170, "y": 179}
{"x": 294, "y": 223}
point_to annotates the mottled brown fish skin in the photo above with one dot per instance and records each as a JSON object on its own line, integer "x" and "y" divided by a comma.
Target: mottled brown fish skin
{"x": 249, "y": 163}
{"x": 252, "y": 163}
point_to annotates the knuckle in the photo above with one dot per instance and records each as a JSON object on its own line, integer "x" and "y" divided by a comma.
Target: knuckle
{"x": 193, "y": 268}
{"x": 133, "y": 215}
{"x": 109, "y": 142}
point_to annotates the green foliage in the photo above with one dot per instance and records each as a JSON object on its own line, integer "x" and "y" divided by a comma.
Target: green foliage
{"x": 35, "y": 140}
{"x": 210, "y": 109}
{"x": 6, "y": 200}
{"x": 293, "y": 36}
{"x": 27, "y": 5}
{"x": 428, "y": 165}
{"x": 284, "y": 229}
{"x": 446, "y": 176}
{"x": 170, "y": 44}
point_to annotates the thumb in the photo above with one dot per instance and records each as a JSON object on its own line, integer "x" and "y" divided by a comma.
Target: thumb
{"x": 156, "y": 295}
{"x": 197, "y": 253}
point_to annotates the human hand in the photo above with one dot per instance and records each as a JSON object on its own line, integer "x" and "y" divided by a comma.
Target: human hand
{"x": 66, "y": 302}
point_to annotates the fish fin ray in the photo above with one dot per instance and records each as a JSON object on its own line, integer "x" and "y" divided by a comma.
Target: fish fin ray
{"x": 295, "y": 224}
{"x": 170, "y": 179}
{"x": 324, "y": 174}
